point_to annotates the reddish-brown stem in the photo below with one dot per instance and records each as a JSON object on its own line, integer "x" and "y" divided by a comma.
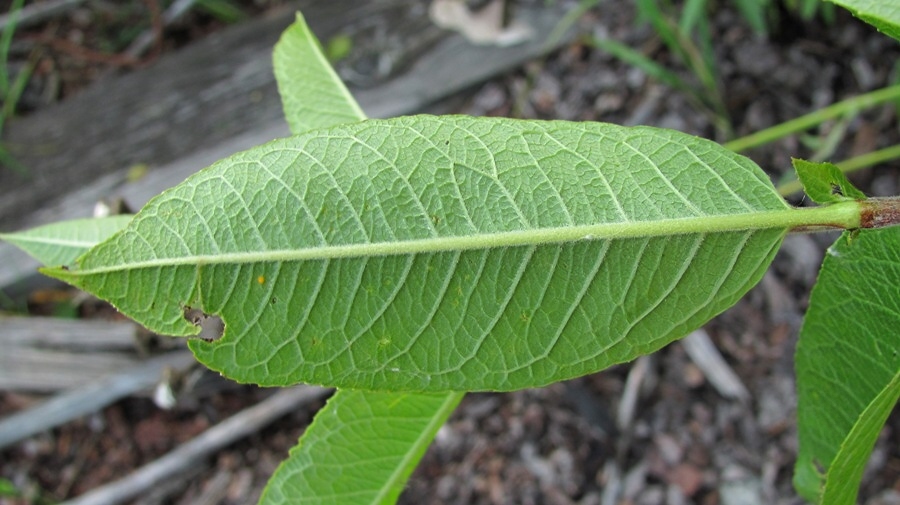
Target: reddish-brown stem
{"x": 880, "y": 212}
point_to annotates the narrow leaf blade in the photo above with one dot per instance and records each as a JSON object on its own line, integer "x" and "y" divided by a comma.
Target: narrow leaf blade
{"x": 61, "y": 243}
{"x": 375, "y": 439}
{"x": 845, "y": 473}
{"x": 847, "y": 362}
{"x": 311, "y": 92}
{"x": 445, "y": 253}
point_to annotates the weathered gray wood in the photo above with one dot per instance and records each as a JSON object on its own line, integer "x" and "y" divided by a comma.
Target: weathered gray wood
{"x": 88, "y": 398}
{"x": 153, "y": 115}
{"x": 80, "y": 151}
{"x": 43, "y": 354}
{"x": 41, "y": 370}
{"x": 80, "y": 335}
{"x": 209, "y": 92}
{"x": 35, "y": 13}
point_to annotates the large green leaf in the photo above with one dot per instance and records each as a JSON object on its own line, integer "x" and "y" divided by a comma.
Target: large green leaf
{"x": 60, "y": 243}
{"x": 448, "y": 253}
{"x": 847, "y": 362}
{"x": 883, "y": 14}
{"x": 358, "y": 448}
{"x": 394, "y": 429}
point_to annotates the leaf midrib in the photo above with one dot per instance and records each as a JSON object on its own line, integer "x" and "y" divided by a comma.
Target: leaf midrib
{"x": 845, "y": 214}
{"x": 49, "y": 241}
{"x": 424, "y": 438}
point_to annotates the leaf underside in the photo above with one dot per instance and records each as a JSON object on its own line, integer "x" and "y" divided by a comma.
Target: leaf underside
{"x": 61, "y": 243}
{"x": 394, "y": 428}
{"x": 346, "y": 256}
{"x": 312, "y": 94}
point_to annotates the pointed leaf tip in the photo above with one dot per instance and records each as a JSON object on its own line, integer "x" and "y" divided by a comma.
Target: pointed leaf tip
{"x": 61, "y": 243}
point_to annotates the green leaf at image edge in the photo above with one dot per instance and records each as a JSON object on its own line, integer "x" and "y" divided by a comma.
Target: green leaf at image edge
{"x": 883, "y": 15}
{"x": 844, "y": 475}
{"x": 8, "y": 489}
{"x": 361, "y": 448}
{"x": 848, "y": 356}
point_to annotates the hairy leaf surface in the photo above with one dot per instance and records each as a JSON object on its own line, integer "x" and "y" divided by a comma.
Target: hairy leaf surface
{"x": 446, "y": 253}
{"x": 847, "y": 362}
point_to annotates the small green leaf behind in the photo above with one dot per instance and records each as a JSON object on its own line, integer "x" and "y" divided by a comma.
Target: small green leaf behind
{"x": 8, "y": 489}
{"x": 360, "y": 449}
{"x": 445, "y": 253}
{"x": 825, "y": 183}
{"x": 847, "y": 363}
{"x": 301, "y": 67}
{"x": 61, "y": 243}
{"x": 339, "y": 47}
{"x": 883, "y": 15}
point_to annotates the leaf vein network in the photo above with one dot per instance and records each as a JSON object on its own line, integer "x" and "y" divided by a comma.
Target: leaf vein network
{"x": 495, "y": 175}
{"x": 501, "y": 308}
{"x": 619, "y": 209}
{"x": 664, "y": 178}
{"x": 429, "y": 315}
{"x": 423, "y": 212}
{"x": 452, "y": 173}
{"x": 556, "y": 192}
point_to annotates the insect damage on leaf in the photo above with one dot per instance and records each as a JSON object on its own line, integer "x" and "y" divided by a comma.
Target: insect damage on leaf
{"x": 825, "y": 183}
{"x": 212, "y": 327}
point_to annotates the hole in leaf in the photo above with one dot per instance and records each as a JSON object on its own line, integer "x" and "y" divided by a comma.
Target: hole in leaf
{"x": 836, "y": 190}
{"x": 211, "y": 326}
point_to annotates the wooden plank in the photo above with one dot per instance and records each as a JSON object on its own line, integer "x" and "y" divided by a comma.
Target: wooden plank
{"x": 153, "y": 115}
{"x": 41, "y": 370}
{"x": 212, "y": 90}
{"x": 185, "y": 127}
{"x": 78, "y": 335}
{"x": 89, "y": 397}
